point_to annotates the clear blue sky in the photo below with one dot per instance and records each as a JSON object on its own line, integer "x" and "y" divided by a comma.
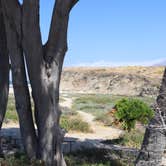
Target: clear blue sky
{"x": 112, "y": 30}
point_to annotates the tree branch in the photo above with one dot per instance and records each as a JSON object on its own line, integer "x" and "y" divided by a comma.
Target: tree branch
{"x": 32, "y": 42}
{"x": 32, "y": 46}
{"x": 12, "y": 19}
{"x": 12, "y": 12}
{"x": 56, "y": 46}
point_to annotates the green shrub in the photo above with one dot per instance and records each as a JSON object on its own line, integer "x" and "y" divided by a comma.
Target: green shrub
{"x": 128, "y": 111}
{"x": 74, "y": 123}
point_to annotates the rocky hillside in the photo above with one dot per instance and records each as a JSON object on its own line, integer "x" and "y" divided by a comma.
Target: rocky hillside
{"x": 135, "y": 81}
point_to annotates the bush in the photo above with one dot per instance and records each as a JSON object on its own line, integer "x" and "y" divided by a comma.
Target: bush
{"x": 74, "y": 123}
{"x": 131, "y": 139}
{"x": 105, "y": 119}
{"x": 128, "y": 111}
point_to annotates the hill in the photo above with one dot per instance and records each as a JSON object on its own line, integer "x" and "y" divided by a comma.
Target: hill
{"x": 162, "y": 63}
{"x": 130, "y": 81}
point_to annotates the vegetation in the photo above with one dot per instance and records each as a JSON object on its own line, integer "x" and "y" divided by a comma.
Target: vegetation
{"x": 101, "y": 105}
{"x": 11, "y": 114}
{"x": 70, "y": 121}
{"x": 89, "y": 157}
{"x": 74, "y": 123}
{"x": 128, "y": 111}
{"x": 105, "y": 118}
{"x": 19, "y": 159}
{"x": 131, "y": 139}
{"x": 95, "y": 104}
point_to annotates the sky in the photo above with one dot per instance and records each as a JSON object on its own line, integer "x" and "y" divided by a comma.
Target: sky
{"x": 112, "y": 32}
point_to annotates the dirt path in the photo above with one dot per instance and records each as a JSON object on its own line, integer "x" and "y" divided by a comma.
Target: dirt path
{"x": 100, "y": 132}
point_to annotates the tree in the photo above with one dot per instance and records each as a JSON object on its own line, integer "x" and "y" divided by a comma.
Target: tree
{"x": 154, "y": 142}
{"x": 129, "y": 111}
{"x": 44, "y": 64}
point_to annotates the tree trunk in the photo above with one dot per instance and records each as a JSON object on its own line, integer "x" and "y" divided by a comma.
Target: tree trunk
{"x": 21, "y": 92}
{"x": 45, "y": 77}
{"x": 155, "y": 136}
{"x": 44, "y": 65}
{"x": 4, "y": 69}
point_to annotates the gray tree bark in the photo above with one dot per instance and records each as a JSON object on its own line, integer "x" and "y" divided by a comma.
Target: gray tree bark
{"x": 44, "y": 65}
{"x": 12, "y": 15}
{"x": 154, "y": 142}
{"x": 4, "y": 69}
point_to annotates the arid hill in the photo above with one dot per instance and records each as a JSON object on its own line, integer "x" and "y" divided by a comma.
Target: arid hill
{"x": 135, "y": 81}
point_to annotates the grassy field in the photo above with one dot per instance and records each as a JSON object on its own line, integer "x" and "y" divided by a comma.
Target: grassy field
{"x": 11, "y": 114}
{"x": 95, "y": 104}
{"x": 70, "y": 120}
{"x": 100, "y": 105}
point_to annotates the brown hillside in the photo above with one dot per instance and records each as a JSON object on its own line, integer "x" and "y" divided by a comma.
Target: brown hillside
{"x": 117, "y": 81}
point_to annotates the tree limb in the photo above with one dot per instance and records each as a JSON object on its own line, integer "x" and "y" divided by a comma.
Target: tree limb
{"x": 56, "y": 45}
{"x": 31, "y": 32}
{"x": 12, "y": 12}
{"x": 12, "y": 15}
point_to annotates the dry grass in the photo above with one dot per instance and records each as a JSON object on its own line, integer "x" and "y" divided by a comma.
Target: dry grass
{"x": 139, "y": 70}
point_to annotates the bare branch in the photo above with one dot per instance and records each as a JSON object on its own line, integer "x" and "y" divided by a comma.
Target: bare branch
{"x": 56, "y": 46}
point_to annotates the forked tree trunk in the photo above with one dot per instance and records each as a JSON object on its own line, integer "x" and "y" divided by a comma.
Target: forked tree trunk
{"x": 44, "y": 65}
{"x": 154, "y": 142}
{"x": 45, "y": 77}
{"x": 4, "y": 69}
